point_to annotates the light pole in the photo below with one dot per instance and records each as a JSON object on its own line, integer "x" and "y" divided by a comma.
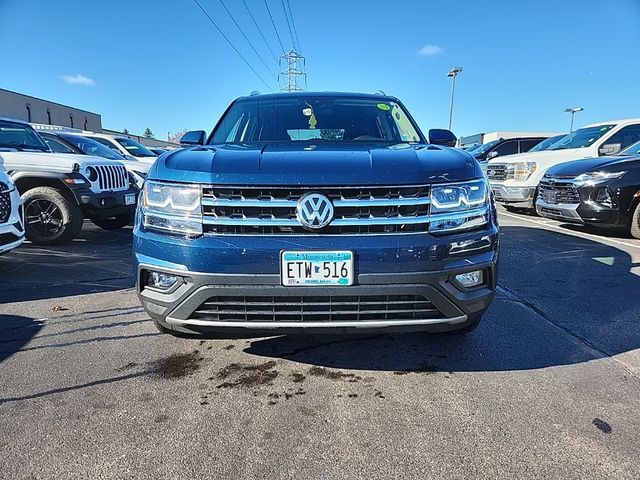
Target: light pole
{"x": 573, "y": 111}
{"x": 455, "y": 71}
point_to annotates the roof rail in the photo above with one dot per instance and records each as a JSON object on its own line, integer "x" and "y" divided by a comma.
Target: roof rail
{"x": 53, "y": 128}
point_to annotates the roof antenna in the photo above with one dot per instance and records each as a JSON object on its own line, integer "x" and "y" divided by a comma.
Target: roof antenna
{"x": 379, "y": 92}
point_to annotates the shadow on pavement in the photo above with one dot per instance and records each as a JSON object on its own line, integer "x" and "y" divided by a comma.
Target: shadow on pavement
{"x": 564, "y": 300}
{"x": 15, "y": 332}
{"x": 96, "y": 261}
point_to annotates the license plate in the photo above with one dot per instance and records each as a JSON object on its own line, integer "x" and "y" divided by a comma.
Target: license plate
{"x": 130, "y": 199}
{"x": 316, "y": 269}
{"x": 549, "y": 196}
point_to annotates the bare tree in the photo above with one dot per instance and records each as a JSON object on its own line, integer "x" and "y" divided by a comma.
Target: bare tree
{"x": 176, "y": 136}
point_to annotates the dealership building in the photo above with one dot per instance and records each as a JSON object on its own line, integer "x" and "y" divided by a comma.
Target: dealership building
{"x": 44, "y": 112}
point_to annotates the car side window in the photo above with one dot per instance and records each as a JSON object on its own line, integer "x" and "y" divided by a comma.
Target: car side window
{"x": 526, "y": 145}
{"x": 57, "y": 146}
{"x": 507, "y": 148}
{"x": 620, "y": 140}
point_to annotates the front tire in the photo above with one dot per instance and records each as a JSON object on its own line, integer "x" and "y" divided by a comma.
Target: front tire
{"x": 635, "y": 223}
{"x": 113, "y": 223}
{"x": 51, "y": 218}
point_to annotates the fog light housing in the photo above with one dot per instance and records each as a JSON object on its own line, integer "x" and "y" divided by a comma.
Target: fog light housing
{"x": 470, "y": 279}
{"x": 160, "y": 280}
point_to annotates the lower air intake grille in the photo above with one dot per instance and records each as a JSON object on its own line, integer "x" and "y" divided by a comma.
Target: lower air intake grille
{"x": 5, "y": 203}
{"x": 316, "y": 308}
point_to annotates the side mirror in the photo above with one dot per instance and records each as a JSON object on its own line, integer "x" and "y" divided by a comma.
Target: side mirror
{"x": 439, "y": 136}
{"x": 609, "y": 149}
{"x": 491, "y": 155}
{"x": 195, "y": 137}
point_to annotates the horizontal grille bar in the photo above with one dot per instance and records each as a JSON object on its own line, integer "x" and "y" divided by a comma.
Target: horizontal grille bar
{"x": 372, "y": 202}
{"x": 309, "y": 308}
{"x": 339, "y": 222}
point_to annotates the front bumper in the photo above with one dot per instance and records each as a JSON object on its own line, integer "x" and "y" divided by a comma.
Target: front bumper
{"x": 394, "y": 267}
{"x": 585, "y": 212}
{"x": 12, "y": 231}
{"x": 107, "y": 204}
{"x": 512, "y": 195}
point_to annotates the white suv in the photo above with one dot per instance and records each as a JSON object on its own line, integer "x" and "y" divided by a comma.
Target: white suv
{"x": 123, "y": 145}
{"x": 11, "y": 217}
{"x": 514, "y": 178}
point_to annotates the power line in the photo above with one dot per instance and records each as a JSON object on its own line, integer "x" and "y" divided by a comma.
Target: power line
{"x": 274, "y": 25}
{"x": 248, "y": 41}
{"x": 232, "y": 45}
{"x": 295, "y": 31}
{"x": 289, "y": 25}
{"x": 260, "y": 30}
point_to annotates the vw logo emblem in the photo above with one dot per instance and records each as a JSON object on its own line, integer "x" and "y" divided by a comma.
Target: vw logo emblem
{"x": 314, "y": 211}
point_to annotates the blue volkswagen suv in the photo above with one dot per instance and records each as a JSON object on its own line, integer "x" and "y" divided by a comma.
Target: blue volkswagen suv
{"x": 323, "y": 212}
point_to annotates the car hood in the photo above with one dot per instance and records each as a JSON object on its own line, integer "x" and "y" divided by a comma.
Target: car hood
{"x": 52, "y": 162}
{"x": 320, "y": 163}
{"x": 578, "y": 167}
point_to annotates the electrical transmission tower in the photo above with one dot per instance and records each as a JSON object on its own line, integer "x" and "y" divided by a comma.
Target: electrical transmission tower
{"x": 294, "y": 63}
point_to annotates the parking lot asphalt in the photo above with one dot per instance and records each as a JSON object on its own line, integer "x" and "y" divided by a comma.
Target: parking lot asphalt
{"x": 547, "y": 387}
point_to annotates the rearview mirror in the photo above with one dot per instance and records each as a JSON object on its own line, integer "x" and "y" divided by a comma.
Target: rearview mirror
{"x": 439, "y": 136}
{"x": 194, "y": 137}
{"x": 491, "y": 155}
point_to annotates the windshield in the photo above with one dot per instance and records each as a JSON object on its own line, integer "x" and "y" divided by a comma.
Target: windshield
{"x": 91, "y": 147}
{"x": 481, "y": 149}
{"x": 57, "y": 145}
{"x": 317, "y": 118}
{"x": 20, "y": 137}
{"x": 631, "y": 150}
{"x": 136, "y": 149}
{"x": 581, "y": 138}
{"x": 545, "y": 144}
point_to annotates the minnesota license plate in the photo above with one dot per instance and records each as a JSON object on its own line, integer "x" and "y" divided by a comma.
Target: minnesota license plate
{"x": 316, "y": 269}
{"x": 130, "y": 199}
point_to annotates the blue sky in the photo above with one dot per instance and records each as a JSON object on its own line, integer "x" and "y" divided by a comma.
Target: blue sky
{"x": 161, "y": 64}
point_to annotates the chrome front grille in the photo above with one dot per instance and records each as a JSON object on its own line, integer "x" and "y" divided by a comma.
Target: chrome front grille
{"x": 316, "y": 308}
{"x": 357, "y": 210}
{"x": 5, "y": 202}
{"x": 555, "y": 192}
{"x": 497, "y": 172}
{"x": 112, "y": 177}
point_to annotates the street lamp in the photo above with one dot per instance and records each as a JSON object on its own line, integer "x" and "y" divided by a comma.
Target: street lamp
{"x": 455, "y": 71}
{"x": 573, "y": 111}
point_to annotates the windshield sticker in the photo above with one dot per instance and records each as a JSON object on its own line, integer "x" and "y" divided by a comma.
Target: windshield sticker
{"x": 307, "y": 112}
{"x": 384, "y": 106}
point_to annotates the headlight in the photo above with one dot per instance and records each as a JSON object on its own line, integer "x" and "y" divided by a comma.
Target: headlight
{"x": 594, "y": 178}
{"x": 172, "y": 208}
{"x": 459, "y": 206}
{"x": 521, "y": 171}
{"x": 91, "y": 173}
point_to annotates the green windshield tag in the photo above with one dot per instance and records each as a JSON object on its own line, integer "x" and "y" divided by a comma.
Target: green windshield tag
{"x": 384, "y": 106}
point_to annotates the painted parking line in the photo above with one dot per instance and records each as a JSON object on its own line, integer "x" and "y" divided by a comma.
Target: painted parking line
{"x": 570, "y": 232}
